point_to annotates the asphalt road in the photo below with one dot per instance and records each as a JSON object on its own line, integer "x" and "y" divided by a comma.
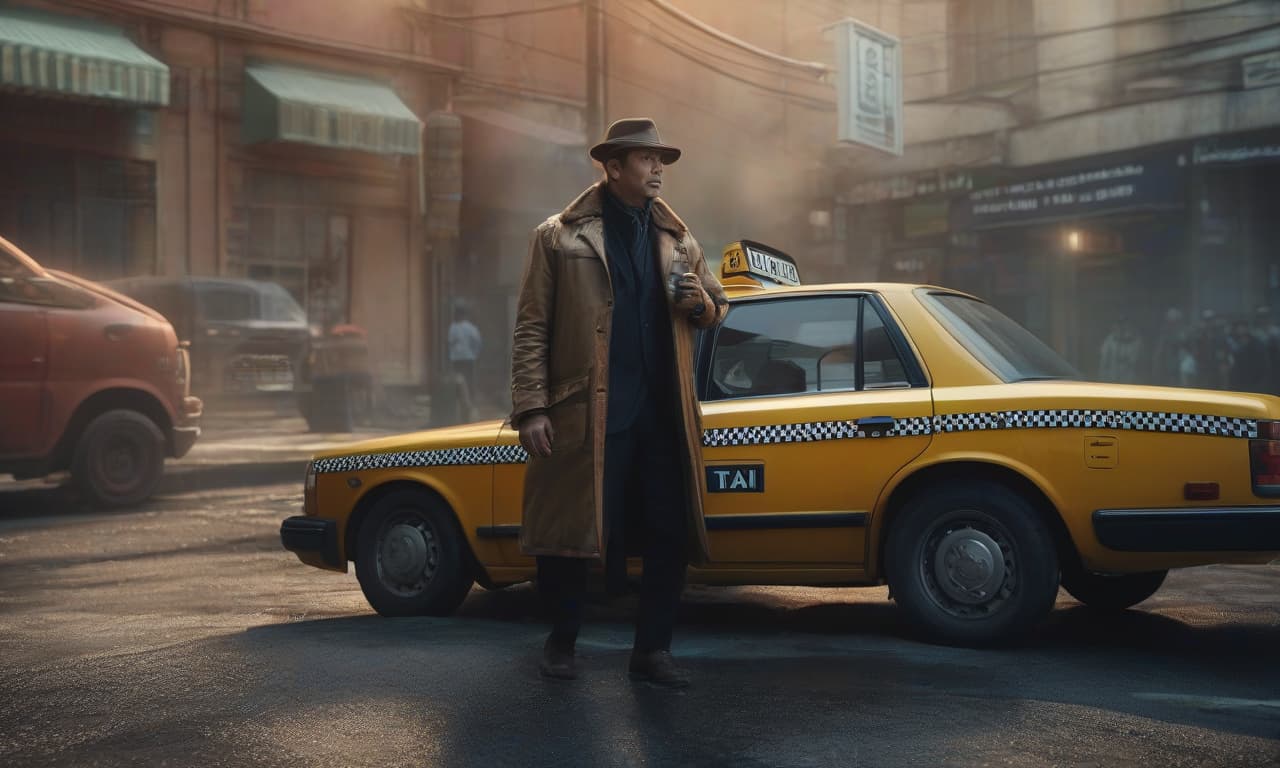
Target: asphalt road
{"x": 181, "y": 634}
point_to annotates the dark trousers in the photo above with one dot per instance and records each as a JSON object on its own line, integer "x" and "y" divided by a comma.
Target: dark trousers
{"x": 645, "y": 513}
{"x": 466, "y": 369}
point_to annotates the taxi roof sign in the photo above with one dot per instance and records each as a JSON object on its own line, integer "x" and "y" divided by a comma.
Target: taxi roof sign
{"x": 747, "y": 262}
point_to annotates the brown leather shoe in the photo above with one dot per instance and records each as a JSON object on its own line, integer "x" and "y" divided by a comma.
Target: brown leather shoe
{"x": 557, "y": 661}
{"x": 657, "y": 667}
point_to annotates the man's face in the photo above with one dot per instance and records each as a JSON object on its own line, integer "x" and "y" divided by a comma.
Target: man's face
{"x": 636, "y": 175}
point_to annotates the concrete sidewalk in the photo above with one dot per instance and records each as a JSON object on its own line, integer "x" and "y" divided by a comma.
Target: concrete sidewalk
{"x": 251, "y": 442}
{"x": 264, "y": 441}
{"x": 247, "y": 448}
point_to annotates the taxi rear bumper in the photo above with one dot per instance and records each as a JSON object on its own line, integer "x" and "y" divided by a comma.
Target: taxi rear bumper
{"x": 1199, "y": 529}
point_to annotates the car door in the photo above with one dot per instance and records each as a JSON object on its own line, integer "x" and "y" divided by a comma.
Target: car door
{"x": 811, "y": 403}
{"x": 24, "y": 360}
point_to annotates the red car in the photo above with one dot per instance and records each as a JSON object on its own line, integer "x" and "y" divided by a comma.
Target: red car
{"x": 90, "y": 381}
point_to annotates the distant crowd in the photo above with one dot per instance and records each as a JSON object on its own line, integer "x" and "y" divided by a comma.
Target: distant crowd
{"x": 1240, "y": 353}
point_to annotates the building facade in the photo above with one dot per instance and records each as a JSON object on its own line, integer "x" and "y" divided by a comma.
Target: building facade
{"x": 1119, "y": 174}
{"x": 280, "y": 141}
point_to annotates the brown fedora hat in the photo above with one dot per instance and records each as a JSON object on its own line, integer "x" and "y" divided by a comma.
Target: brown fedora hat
{"x": 633, "y": 133}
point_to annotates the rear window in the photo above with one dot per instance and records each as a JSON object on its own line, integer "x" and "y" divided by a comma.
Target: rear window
{"x": 1012, "y": 352}
{"x": 228, "y": 303}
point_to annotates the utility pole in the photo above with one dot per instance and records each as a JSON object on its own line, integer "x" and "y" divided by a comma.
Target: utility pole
{"x": 597, "y": 70}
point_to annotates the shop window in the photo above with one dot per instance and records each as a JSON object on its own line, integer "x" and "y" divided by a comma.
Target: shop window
{"x": 86, "y": 214}
{"x": 294, "y": 239}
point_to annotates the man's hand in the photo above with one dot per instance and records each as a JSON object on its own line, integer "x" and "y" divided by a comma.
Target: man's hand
{"x": 536, "y": 435}
{"x": 689, "y": 293}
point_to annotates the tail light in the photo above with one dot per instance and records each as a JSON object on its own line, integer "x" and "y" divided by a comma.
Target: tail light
{"x": 1264, "y": 459}
{"x": 309, "y": 505}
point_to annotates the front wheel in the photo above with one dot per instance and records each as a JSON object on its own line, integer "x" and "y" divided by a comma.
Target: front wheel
{"x": 973, "y": 564}
{"x": 411, "y": 558}
{"x": 1111, "y": 592}
{"x": 118, "y": 459}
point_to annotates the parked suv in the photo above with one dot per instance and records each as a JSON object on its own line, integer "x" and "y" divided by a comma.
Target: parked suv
{"x": 251, "y": 336}
{"x": 90, "y": 381}
{"x": 246, "y": 335}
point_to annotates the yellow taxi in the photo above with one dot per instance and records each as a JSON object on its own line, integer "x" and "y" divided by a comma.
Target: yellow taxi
{"x": 859, "y": 434}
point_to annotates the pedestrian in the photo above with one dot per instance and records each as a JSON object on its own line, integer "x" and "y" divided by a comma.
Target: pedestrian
{"x": 1248, "y": 360}
{"x": 1268, "y": 332}
{"x": 1166, "y": 356}
{"x": 603, "y": 397}
{"x": 1121, "y": 354}
{"x": 465, "y": 343}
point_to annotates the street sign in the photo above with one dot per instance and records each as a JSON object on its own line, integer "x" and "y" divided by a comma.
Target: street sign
{"x": 1261, "y": 70}
{"x": 869, "y": 63}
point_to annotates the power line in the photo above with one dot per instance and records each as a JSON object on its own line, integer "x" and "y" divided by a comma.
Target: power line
{"x": 1070, "y": 69}
{"x": 768, "y": 70}
{"x": 950, "y": 96}
{"x": 799, "y": 99}
{"x": 771, "y": 71}
{"x": 812, "y": 67}
{"x": 416, "y": 13}
{"x": 417, "y": 8}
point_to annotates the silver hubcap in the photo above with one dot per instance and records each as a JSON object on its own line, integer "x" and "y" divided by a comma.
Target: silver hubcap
{"x": 408, "y": 557}
{"x": 969, "y": 566}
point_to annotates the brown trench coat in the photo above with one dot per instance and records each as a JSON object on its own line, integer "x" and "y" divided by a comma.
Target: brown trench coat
{"x": 560, "y": 365}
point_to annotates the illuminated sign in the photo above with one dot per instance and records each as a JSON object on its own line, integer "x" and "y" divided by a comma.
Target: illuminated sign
{"x": 754, "y": 260}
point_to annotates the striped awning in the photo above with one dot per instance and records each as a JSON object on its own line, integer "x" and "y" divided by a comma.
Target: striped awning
{"x": 286, "y": 103}
{"x": 77, "y": 58}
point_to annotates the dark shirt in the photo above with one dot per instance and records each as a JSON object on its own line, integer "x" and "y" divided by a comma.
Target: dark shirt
{"x": 641, "y": 355}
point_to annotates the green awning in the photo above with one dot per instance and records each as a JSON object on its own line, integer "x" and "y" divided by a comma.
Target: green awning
{"x": 77, "y": 58}
{"x": 284, "y": 103}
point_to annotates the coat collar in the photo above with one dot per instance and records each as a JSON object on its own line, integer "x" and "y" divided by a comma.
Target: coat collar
{"x": 587, "y": 206}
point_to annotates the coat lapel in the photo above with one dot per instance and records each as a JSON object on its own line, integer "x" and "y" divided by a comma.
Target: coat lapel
{"x": 584, "y": 217}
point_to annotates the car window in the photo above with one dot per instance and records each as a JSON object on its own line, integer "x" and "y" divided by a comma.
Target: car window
{"x": 228, "y": 303}
{"x": 786, "y": 346}
{"x": 1012, "y": 352}
{"x": 882, "y": 366}
{"x": 10, "y": 266}
{"x": 44, "y": 291}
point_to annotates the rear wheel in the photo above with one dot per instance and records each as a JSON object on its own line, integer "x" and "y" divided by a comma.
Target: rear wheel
{"x": 411, "y": 558}
{"x": 118, "y": 459}
{"x": 972, "y": 565}
{"x": 1111, "y": 592}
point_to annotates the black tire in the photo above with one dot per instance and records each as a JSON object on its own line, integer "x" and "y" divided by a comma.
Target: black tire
{"x": 410, "y": 557}
{"x": 1111, "y": 592}
{"x": 118, "y": 459}
{"x": 990, "y": 601}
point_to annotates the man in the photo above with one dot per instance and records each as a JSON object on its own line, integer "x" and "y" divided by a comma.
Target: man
{"x": 602, "y": 394}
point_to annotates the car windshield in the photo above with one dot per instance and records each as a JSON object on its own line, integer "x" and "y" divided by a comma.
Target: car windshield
{"x": 279, "y": 307}
{"x": 1008, "y": 349}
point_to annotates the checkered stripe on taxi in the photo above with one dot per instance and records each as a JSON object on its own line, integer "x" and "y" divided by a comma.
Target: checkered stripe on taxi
{"x": 820, "y": 431}
{"x": 810, "y": 432}
{"x": 448, "y": 457}
{"x": 1137, "y": 421}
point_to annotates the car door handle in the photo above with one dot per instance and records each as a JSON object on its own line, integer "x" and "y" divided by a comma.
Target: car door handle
{"x": 877, "y": 426}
